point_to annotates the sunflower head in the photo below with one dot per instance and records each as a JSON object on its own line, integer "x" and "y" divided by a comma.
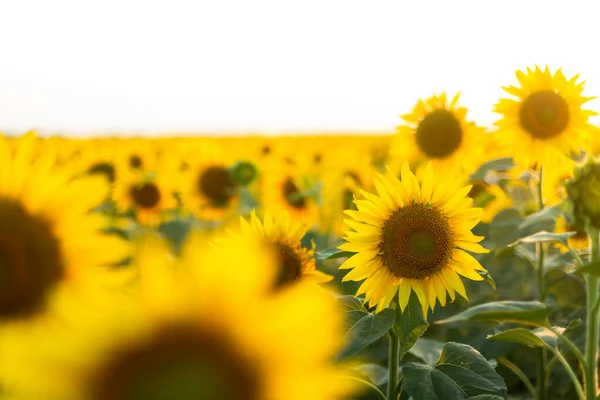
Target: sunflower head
{"x": 583, "y": 192}
{"x": 412, "y": 236}
{"x": 437, "y": 130}
{"x": 546, "y": 123}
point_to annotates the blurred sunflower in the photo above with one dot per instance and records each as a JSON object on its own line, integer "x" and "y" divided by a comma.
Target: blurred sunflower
{"x": 284, "y": 190}
{"x": 148, "y": 195}
{"x": 579, "y": 241}
{"x": 172, "y": 342}
{"x": 439, "y": 132}
{"x": 294, "y": 261}
{"x": 546, "y": 125}
{"x": 490, "y": 197}
{"x": 412, "y": 238}
{"x": 135, "y": 156}
{"x": 209, "y": 190}
{"x": 48, "y": 238}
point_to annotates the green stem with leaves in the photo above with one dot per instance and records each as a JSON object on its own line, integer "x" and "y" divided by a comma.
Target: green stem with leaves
{"x": 591, "y": 346}
{"x": 394, "y": 360}
{"x": 542, "y": 353}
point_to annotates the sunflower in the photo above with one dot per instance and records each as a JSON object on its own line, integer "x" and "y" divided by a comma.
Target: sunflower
{"x": 194, "y": 329}
{"x": 412, "y": 238}
{"x": 546, "y": 124}
{"x": 209, "y": 190}
{"x": 48, "y": 238}
{"x": 439, "y": 132}
{"x": 135, "y": 156}
{"x": 284, "y": 189}
{"x": 147, "y": 195}
{"x": 490, "y": 197}
{"x": 294, "y": 261}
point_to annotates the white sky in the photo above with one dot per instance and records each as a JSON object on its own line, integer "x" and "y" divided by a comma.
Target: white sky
{"x": 252, "y": 66}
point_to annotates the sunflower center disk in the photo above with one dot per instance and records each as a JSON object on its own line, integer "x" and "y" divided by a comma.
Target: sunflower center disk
{"x": 293, "y": 195}
{"x": 544, "y": 114}
{"x": 178, "y": 363}
{"x": 439, "y": 134}
{"x": 216, "y": 184}
{"x": 146, "y": 196}
{"x": 417, "y": 242}
{"x": 30, "y": 261}
{"x": 135, "y": 162}
{"x": 290, "y": 265}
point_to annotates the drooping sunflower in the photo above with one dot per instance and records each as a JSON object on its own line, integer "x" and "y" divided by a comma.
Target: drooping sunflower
{"x": 294, "y": 261}
{"x": 438, "y": 131}
{"x": 199, "y": 328}
{"x": 48, "y": 238}
{"x": 412, "y": 237}
{"x": 546, "y": 124}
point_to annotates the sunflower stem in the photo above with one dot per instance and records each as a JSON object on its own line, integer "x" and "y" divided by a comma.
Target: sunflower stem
{"x": 393, "y": 364}
{"x": 542, "y": 353}
{"x": 591, "y": 346}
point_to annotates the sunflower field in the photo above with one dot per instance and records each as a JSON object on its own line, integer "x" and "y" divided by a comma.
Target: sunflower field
{"x": 445, "y": 261}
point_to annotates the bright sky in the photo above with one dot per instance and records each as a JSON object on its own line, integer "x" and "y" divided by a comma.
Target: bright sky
{"x": 251, "y": 66}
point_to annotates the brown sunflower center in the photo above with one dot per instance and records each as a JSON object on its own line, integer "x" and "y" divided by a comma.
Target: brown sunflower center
{"x": 216, "y": 184}
{"x": 544, "y": 114}
{"x": 293, "y": 195}
{"x": 146, "y": 195}
{"x": 290, "y": 265}
{"x": 179, "y": 363}
{"x": 30, "y": 261}
{"x": 417, "y": 241}
{"x": 135, "y": 162}
{"x": 439, "y": 134}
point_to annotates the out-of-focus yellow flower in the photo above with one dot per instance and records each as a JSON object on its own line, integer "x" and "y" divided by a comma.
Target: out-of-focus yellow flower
{"x": 438, "y": 131}
{"x": 491, "y": 198}
{"x": 546, "y": 124}
{"x": 200, "y": 327}
{"x": 579, "y": 241}
{"x": 412, "y": 237}
{"x": 294, "y": 261}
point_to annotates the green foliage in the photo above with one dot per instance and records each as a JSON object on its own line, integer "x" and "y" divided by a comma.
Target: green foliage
{"x": 460, "y": 373}
{"x": 525, "y": 312}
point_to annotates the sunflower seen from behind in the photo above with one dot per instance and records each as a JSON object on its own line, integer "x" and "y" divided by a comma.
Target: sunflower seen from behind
{"x": 412, "y": 237}
{"x": 546, "y": 124}
{"x": 437, "y": 130}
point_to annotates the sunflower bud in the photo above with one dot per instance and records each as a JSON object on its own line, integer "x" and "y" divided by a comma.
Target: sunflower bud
{"x": 584, "y": 195}
{"x": 243, "y": 173}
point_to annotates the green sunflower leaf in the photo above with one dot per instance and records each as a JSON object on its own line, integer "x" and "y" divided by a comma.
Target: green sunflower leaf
{"x": 460, "y": 373}
{"x": 499, "y": 164}
{"x": 410, "y": 324}
{"x": 525, "y": 312}
{"x": 364, "y": 329}
{"x": 540, "y": 337}
{"x": 590, "y": 268}
{"x": 544, "y": 236}
{"x": 330, "y": 254}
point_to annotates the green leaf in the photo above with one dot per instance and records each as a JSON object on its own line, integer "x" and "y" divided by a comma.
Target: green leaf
{"x": 503, "y": 228}
{"x": 364, "y": 329}
{"x": 332, "y": 253}
{"x": 460, "y": 372}
{"x": 422, "y": 382}
{"x": 499, "y": 164}
{"x": 375, "y": 373}
{"x": 410, "y": 324}
{"x": 351, "y": 303}
{"x": 486, "y": 397}
{"x": 488, "y": 279}
{"x": 428, "y": 350}
{"x": 540, "y": 337}
{"x": 525, "y": 312}
{"x": 546, "y": 217}
{"x": 470, "y": 370}
{"x": 544, "y": 236}
{"x": 591, "y": 268}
